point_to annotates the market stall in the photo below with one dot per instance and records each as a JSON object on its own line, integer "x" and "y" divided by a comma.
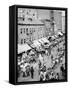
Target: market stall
{"x": 23, "y": 48}
{"x": 59, "y": 33}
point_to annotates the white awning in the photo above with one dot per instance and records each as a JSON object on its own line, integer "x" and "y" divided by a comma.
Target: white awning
{"x": 45, "y": 40}
{"x": 36, "y": 43}
{"x": 60, "y": 33}
{"x": 55, "y": 36}
{"x": 22, "y": 48}
{"x": 41, "y": 41}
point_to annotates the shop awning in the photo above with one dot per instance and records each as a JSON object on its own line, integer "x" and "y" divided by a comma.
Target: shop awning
{"x": 51, "y": 38}
{"x": 22, "y": 48}
{"x": 41, "y": 41}
{"x": 60, "y": 33}
{"x": 56, "y": 36}
{"x": 36, "y": 43}
{"x": 45, "y": 40}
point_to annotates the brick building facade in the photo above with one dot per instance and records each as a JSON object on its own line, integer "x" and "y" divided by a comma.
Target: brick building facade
{"x": 29, "y": 27}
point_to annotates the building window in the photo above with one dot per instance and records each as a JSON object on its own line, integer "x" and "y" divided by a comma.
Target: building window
{"x": 21, "y": 41}
{"x": 30, "y": 30}
{"x": 33, "y": 14}
{"x": 21, "y": 31}
{"x": 34, "y": 29}
{"x": 24, "y": 40}
{"x": 23, "y": 18}
{"x": 30, "y": 19}
{"x": 24, "y": 30}
{"x": 30, "y": 39}
{"x": 27, "y": 13}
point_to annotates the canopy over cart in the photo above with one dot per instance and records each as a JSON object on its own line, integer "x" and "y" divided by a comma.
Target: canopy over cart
{"x": 23, "y": 48}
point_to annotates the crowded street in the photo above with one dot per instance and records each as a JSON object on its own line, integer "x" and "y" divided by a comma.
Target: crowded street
{"x": 42, "y": 64}
{"x": 41, "y": 45}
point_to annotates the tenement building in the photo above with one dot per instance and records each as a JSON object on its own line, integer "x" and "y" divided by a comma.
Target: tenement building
{"x": 29, "y": 27}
